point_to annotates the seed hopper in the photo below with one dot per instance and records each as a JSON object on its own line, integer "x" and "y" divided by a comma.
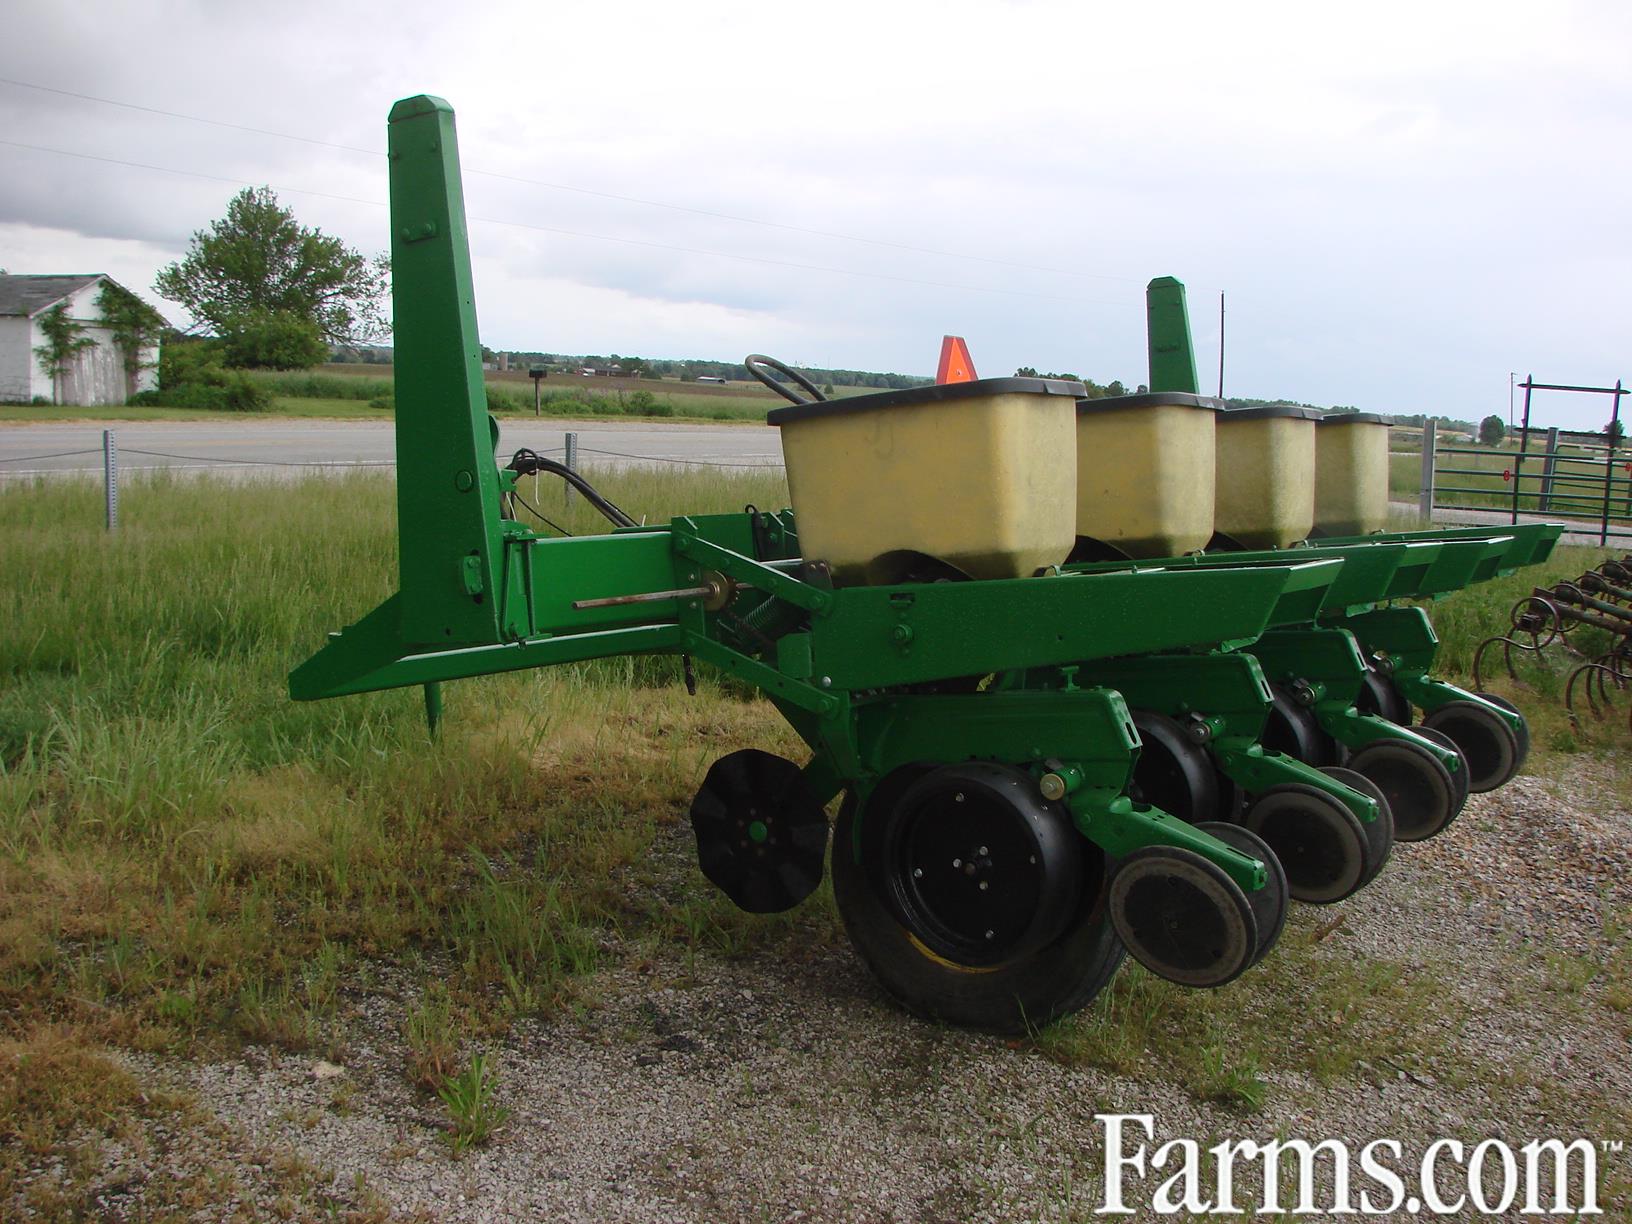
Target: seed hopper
{"x": 1048, "y": 745}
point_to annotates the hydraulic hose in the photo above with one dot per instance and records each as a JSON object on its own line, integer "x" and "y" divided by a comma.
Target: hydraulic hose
{"x": 527, "y": 462}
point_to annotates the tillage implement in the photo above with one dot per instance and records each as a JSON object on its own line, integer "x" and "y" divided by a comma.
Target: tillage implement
{"x": 1084, "y": 675}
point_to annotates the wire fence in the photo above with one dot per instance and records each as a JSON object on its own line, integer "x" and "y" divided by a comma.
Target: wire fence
{"x": 231, "y": 461}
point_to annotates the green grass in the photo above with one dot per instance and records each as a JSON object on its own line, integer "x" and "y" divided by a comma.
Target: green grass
{"x": 189, "y": 860}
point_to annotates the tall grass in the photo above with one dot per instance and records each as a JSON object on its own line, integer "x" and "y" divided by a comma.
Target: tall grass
{"x": 164, "y": 804}
{"x": 184, "y": 851}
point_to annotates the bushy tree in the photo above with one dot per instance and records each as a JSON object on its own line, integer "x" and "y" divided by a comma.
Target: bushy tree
{"x": 275, "y": 290}
{"x": 275, "y": 339}
{"x": 1492, "y": 430}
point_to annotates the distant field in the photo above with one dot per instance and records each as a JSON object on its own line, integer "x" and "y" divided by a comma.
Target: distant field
{"x": 355, "y": 390}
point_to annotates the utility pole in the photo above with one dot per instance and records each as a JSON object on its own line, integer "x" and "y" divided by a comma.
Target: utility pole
{"x": 1221, "y": 344}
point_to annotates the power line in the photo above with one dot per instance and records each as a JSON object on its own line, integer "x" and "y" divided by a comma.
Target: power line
{"x": 603, "y": 195}
{"x": 549, "y": 229}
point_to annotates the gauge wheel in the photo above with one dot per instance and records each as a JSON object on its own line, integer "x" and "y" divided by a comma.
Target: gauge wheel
{"x": 1292, "y": 729}
{"x": 1173, "y": 772}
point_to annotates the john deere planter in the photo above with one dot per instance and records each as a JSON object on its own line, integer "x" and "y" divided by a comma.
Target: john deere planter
{"x": 1047, "y": 744}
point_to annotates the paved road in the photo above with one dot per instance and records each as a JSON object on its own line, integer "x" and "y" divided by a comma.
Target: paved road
{"x": 273, "y": 446}
{"x": 1468, "y": 517}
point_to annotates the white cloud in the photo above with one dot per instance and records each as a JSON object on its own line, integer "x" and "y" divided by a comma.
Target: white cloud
{"x": 1404, "y": 201}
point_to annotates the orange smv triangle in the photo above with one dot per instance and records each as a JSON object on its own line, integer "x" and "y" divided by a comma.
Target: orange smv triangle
{"x": 956, "y": 364}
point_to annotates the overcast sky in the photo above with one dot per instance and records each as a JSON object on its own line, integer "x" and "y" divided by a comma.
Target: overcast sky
{"x": 1403, "y": 202}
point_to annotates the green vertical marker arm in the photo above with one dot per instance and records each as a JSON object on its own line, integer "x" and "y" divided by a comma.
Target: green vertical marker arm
{"x": 1167, "y": 332}
{"x": 447, "y": 485}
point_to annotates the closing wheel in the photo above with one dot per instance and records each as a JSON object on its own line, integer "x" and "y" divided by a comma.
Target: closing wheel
{"x": 760, "y": 834}
{"x": 1052, "y": 947}
{"x": 1180, "y": 916}
{"x": 1521, "y": 732}
{"x": 1269, "y": 903}
{"x": 1381, "y": 696}
{"x": 1321, "y": 844}
{"x": 1173, "y": 772}
{"x": 1489, "y": 745}
{"x": 1420, "y": 791}
{"x": 1293, "y": 730}
{"x": 1459, "y": 775}
{"x": 1379, "y": 832}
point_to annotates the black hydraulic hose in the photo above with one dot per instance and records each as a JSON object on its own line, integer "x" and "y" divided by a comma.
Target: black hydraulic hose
{"x": 527, "y": 463}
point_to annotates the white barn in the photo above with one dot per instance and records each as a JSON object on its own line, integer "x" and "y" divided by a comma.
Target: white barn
{"x": 96, "y": 374}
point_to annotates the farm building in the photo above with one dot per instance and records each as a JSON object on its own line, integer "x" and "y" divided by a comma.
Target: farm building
{"x": 95, "y": 371}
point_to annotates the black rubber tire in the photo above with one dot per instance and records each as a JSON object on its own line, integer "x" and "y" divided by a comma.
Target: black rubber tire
{"x": 1461, "y": 778}
{"x": 1321, "y": 844}
{"x": 1269, "y": 903}
{"x": 1157, "y": 892}
{"x": 1420, "y": 791}
{"x": 1487, "y": 743}
{"x": 1173, "y": 772}
{"x": 1291, "y": 729}
{"x": 1017, "y": 997}
{"x": 1379, "y": 695}
{"x": 977, "y": 864}
{"x": 1379, "y": 832}
{"x": 1522, "y": 732}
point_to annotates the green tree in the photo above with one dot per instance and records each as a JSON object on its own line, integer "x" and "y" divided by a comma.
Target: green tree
{"x": 268, "y": 285}
{"x": 276, "y": 339}
{"x": 1492, "y": 430}
{"x": 64, "y": 337}
{"x": 135, "y": 325}
{"x": 1615, "y": 433}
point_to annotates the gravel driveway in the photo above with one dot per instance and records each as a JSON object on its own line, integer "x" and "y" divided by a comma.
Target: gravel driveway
{"x": 783, "y": 1086}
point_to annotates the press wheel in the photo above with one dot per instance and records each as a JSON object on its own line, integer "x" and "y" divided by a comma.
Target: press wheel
{"x": 1487, "y": 743}
{"x": 923, "y": 943}
{"x": 1173, "y": 772}
{"x": 1180, "y": 916}
{"x": 1460, "y": 776}
{"x": 1420, "y": 791}
{"x": 1269, "y": 903}
{"x": 1379, "y": 832}
{"x": 1321, "y": 844}
{"x": 1522, "y": 731}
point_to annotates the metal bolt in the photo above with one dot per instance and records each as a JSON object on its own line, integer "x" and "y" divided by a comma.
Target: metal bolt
{"x": 917, "y": 873}
{"x": 984, "y": 851}
{"x": 826, "y": 682}
{"x": 991, "y": 934}
{"x": 957, "y": 862}
{"x": 984, "y": 886}
{"x": 958, "y": 798}
{"x": 1033, "y": 860}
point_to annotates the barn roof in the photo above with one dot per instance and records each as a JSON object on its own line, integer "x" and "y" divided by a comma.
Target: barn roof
{"x": 28, "y": 295}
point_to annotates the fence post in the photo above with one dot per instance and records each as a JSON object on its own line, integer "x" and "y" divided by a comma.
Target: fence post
{"x": 572, "y": 462}
{"x": 1425, "y": 503}
{"x": 1547, "y": 469}
{"x": 110, "y": 476}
